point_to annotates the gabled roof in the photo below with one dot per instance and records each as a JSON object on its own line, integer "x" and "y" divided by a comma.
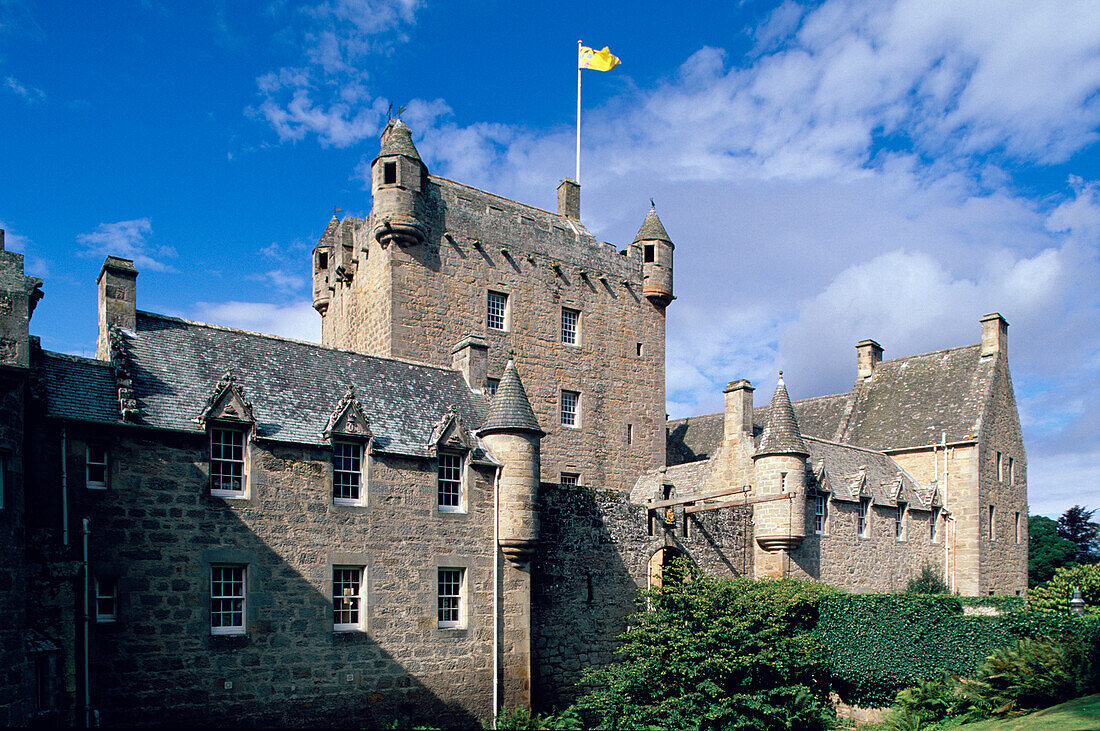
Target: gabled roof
{"x": 293, "y": 386}
{"x": 851, "y": 473}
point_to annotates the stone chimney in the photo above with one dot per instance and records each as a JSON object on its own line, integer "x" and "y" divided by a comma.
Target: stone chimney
{"x": 868, "y": 355}
{"x": 994, "y": 335}
{"x": 117, "y": 300}
{"x": 471, "y": 358}
{"x": 569, "y": 199}
{"x": 738, "y": 416}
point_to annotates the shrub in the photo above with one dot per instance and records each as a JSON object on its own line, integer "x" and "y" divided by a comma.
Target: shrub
{"x": 1032, "y": 673}
{"x": 926, "y": 703}
{"x": 928, "y": 581}
{"x": 520, "y": 719}
{"x": 1054, "y": 595}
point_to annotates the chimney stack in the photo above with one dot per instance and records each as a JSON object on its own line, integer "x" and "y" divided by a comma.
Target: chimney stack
{"x": 868, "y": 355}
{"x": 738, "y": 416}
{"x": 117, "y": 300}
{"x": 994, "y": 335}
{"x": 471, "y": 358}
{"x": 569, "y": 199}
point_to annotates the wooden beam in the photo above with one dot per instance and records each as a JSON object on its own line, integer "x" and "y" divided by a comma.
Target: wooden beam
{"x": 737, "y": 503}
{"x": 696, "y": 498}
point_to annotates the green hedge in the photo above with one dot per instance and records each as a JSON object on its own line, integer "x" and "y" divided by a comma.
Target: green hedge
{"x": 876, "y": 644}
{"x": 1001, "y": 603}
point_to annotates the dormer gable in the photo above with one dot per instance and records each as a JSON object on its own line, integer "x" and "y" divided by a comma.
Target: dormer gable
{"x": 348, "y": 420}
{"x": 449, "y": 434}
{"x": 227, "y": 403}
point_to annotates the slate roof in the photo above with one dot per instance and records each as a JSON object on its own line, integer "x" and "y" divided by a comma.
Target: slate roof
{"x": 397, "y": 140}
{"x": 686, "y": 479}
{"x": 293, "y": 386}
{"x": 652, "y": 229}
{"x": 851, "y": 473}
{"x": 693, "y": 438}
{"x": 510, "y": 409}
{"x": 77, "y": 388}
{"x": 781, "y": 435}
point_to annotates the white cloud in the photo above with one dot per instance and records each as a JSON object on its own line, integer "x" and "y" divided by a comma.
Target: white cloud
{"x": 297, "y": 320}
{"x": 282, "y": 280}
{"x": 29, "y": 94}
{"x": 1065, "y": 480}
{"x": 129, "y": 240}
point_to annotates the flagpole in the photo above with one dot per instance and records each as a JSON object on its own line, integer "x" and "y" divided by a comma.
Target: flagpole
{"x": 578, "y": 112}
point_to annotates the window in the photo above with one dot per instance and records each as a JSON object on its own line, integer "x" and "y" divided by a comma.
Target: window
{"x": 629, "y": 433}
{"x": 933, "y": 525}
{"x": 450, "y": 583}
{"x": 570, "y": 326}
{"x": 3, "y": 479}
{"x": 227, "y": 462}
{"x": 992, "y": 523}
{"x": 1018, "y": 526}
{"x": 493, "y": 384}
{"x": 638, "y": 349}
{"x": 106, "y": 599}
{"x": 899, "y": 522}
{"x": 821, "y": 512}
{"x": 347, "y": 473}
{"x": 389, "y": 173}
{"x": 648, "y": 254}
{"x": 569, "y": 400}
{"x": 1011, "y": 471}
{"x": 95, "y": 467}
{"x": 862, "y": 523}
{"x": 782, "y": 482}
{"x": 571, "y": 479}
{"x": 496, "y": 316}
{"x": 322, "y": 260}
{"x": 1000, "y": 474}
{"x": 347, "y": 598}
{"x": 449, "y": 481}
{"x": 227, "y": 599}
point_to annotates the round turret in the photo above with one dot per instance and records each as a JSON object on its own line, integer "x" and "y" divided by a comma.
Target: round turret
{"x": 398, "y": 179}
{"x": 657, "y": 250}
{"x": 513, "y": 437}
{"x": 779, "y": 466}
{"x": 323, "y": 262}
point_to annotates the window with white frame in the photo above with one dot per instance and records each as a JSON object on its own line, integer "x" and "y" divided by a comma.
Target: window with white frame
{"x": 934, "y": 525}
{"x": 449, "y": 481}
{"x": 227, "y": 475}
{"x": 569, "y": 403}
{"x": 227, "y": 599}
{"x": 571, "y": 479}
{"x": 106, "y": 599}
{"x": 451, "y": 589}
{"x": 347, "y": 473}
{"x": 496, "y": 315}
{"x": 95, "y": 467}
{"x": 493, "y": 384}
{"x": 347, "y": 598}
{"x": 862, "y": 522}
{"x": 821, "y": 512}
{"x": 570, "y": 326}
{"x": 899, "y": 522}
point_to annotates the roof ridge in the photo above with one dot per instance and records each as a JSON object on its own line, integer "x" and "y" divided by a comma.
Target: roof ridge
{"x": 284, "y": 339}
{"x": 845, "y": 445}
{"x": 930, "y": 352}
{"x": 76, "y": 358}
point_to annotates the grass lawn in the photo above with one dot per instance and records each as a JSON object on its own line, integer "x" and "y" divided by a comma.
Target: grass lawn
{"x": 1080, "y": 714}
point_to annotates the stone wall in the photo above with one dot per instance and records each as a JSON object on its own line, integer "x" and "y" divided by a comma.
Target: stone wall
{"x": 16, "y": 675}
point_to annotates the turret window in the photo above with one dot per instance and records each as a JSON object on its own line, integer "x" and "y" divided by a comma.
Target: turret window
{"x": 322, "y": 260}
{"x": 389, "y": 173}
{"x": 649, "y": 254}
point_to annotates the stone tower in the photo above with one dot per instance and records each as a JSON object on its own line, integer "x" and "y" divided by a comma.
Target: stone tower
{"x": 438, "y": 265}
{"x": 779, "y": 467}
{"x": 512, "y": 435}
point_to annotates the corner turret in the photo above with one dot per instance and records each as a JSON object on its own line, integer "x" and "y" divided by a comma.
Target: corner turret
{"x": 780, "y": 469}
{"x": 19, "y": 294}
{"x": 324, "y": 262}
{"x": 657, "y": 250}
{"x": 513, "y": 437}
{"x": 398, "y": 182}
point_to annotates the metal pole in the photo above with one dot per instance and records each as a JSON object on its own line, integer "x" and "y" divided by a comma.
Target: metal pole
{"x": 578, "y": 112}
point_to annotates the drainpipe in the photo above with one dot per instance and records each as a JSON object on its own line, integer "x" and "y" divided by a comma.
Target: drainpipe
{"x": 64, "y": 489}
{"x": 496, "y": 594}
{"x": 87, "y": 669}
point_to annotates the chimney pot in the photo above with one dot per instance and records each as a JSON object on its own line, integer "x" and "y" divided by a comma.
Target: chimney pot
{"x": 994, "y": 335}
{"x": 737, "y": 421}
{"x": 471, "y": 358}
{"x": 117, "y": 300}
{"x": 868, "y": 355}
{"x": 569, "y": 199}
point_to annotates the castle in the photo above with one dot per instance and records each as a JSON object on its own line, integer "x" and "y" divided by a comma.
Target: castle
{"x": 447, "y": 506}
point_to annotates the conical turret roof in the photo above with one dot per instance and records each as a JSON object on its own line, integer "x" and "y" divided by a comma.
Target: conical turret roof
{"x": 328, "y": 238}
{"x": 397, "y": 140}
{"x": 781, "y": 433}
{"x": 510, "y": 409}
{"x": 652, "y": 229}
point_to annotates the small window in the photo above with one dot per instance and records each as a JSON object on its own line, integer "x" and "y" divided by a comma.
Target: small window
{"x": 648, "y": 254}
{"x": 347, "y": 598}
{"x": 95, "y": 466}
{"x": 450, "y": 592}
{"x": 227, "y": 476}
{"x": 569, "y": 403}
{"x": 449, "y": 481}
{"x": 821, "y": 512}
{"x": 687, "y": 525}
{"x": 322, "y": 260}
{"x": 570, "y": 326}
{"x": 1000, "y": 474}
{"x": 782, "y": 482}
{"x": 629, "y": 433}
{"x": 1011, "y": 471}
{"x": 347, "y": 473}
{"x": 934, "y": 525}
{"x": 638, "y": 349}
{"x": 570, "y": 479}
{"x": 862, "y": 523}
{"x": 227, "y": 600}
{"x": 106, "y": 599}
{"x": 1018, "y": 531}
{"x": 899, "y": 522}
{"x": 389, "y": 173}
{"x": 992, "y": 523}
{"x": 492, "y": 384}
{"x": 496, "y": 316}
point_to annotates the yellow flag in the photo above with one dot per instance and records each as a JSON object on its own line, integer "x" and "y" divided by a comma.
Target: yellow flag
{"x": 598, "y": 60}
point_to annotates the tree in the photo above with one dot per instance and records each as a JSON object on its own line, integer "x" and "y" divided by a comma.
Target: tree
{"x": 1076, "y": 525}
{"x": 1054, "y": 595}
{"x": 716, "y": 654}
{"x": 1047, "y": 551}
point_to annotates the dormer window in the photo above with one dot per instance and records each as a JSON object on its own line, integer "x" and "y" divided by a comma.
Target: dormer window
{"x": 449, "y": 482}
{"x": 389, "y": 173}
{"x": 347, "y": 473}
{"x": 227, "y": 463}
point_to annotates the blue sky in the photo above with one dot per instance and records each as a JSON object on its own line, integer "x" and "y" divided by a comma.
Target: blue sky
{"x": 829, "y": 172}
